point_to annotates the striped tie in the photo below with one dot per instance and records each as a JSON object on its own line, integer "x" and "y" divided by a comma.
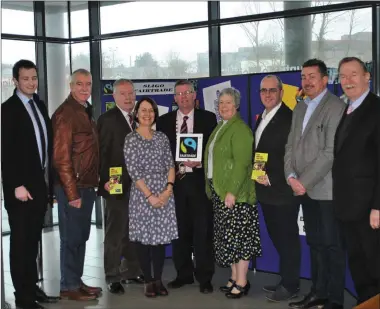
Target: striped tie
{"x": 184, "y": 125}
{"x": 350, "y": 109}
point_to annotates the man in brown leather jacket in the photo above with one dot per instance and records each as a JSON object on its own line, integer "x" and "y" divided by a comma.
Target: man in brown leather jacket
{"x": 76, "y": 161}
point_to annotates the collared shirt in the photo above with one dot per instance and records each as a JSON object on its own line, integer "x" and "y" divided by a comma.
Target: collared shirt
{"x": 126, "y": 115}
{"x": 211, "y": 152}
{"x": 190, "y": 127}
{"x": 25, "y": 101}
{"x": 266, "y": 118}
{"x": 312, "y": 104}
{"x": 355, "y": 104}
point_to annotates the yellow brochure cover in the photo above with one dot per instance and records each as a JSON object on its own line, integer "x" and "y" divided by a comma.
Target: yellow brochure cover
{"x": 259, "y": 165}
{"x": 116, "y": 187}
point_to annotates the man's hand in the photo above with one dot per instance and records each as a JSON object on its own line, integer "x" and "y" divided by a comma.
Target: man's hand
{"x": 76, "y": 203}
{"x": 107, "y": 186}
{"x": 229, "y": 201}
{"x": 263, "y": 180}
{"x": 374, "y": 219}
{"x": 22, "y": 194}
{"x": 297, "y": 187}
{"x": 191, "y": 164}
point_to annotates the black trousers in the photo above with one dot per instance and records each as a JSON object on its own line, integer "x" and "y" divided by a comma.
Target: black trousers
{"x": 151, "y": 255}
{"x": 117, "y": 244}
{"x": 25, "y": 221}
{"x": 194, "y": 218}
{"x": 363, "y": 247}
{"x": 282, "y": 226}
{"x": 327, "y": 254}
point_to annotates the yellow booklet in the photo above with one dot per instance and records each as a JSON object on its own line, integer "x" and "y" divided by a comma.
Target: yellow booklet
{"x": 115, "y": 180}
{"x": 259, "y": 165}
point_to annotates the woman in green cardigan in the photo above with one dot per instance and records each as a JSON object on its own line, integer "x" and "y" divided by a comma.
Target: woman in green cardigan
{"x": 228, "y": 168}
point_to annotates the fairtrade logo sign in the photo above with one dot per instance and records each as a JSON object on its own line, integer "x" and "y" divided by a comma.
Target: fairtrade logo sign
{"x": 189, "y": 147}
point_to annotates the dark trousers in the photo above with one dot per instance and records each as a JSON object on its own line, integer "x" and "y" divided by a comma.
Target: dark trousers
{"x": 327, "y": 254}
{"x": 194, "y": 218}
{"x": 282, "y": 226}
{"x": 25, "y": 221}
{"x": 363, "y": 247}
{"x": 74, "y": 231}
{"x": 117, "y": 244}
{"x": 149, "y": 256}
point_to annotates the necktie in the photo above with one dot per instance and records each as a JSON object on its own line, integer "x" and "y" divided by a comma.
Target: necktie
{"x": 42, "y": 136}
{"x": 184, "y": 124}
{"x": 131, "y": 121}
{"x": 349, "y": 109}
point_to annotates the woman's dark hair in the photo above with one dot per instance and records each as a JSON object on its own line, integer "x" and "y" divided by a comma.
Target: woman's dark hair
{"x": 151, "y": 102}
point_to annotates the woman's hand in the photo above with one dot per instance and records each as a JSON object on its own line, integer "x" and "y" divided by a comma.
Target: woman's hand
{"x": 229, "y": 201}
{"x": 165, "y": 195}
{"x": 155, "y": 201}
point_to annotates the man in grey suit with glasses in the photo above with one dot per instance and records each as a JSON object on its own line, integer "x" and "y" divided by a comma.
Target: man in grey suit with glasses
{"x": 308, "y": 163}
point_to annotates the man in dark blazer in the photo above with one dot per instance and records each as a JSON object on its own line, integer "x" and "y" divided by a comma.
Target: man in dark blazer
{"x": 356, "y": 177}
{"x": 113, "y": 126}
{"x": 279, "y": 205}
{"x": 26, "y": 148}
{"x": 194, "y": 210}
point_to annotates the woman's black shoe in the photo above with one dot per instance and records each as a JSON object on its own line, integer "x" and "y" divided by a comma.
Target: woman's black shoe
{"x": 226, "y": 288}
{"x": 243, "y": 290}
{"x": 160, "y": 288}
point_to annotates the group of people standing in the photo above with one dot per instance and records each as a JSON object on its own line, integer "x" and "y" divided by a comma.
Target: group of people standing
{"x": 324, "y": 155}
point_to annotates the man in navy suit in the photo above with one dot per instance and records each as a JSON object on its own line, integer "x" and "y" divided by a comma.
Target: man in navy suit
{"x": 26, "y": 148}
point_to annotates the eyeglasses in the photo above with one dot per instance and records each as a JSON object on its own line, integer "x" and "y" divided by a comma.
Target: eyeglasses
{"x": 185, "y": 93}
{"x": 270, "y": 90}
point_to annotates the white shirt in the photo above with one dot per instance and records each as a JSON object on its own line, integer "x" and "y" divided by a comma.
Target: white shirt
{"x": 190, "y": 127}
{"x": 211, "y": 152}
{"x": 125, "y": 114}
{"x": 266, "y": 118}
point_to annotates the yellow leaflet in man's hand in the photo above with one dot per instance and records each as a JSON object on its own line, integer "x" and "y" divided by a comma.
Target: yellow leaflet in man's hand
{"x": 259, "y": 165}
{"x": 116, "y": 187}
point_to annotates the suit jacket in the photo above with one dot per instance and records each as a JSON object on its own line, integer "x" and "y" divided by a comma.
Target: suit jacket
{"x": 112, "y": 130}
{"x": 232, "y": 161}
{"x": 356, "y": 168}
{"x": 310, "y": 154}
{"x": 272, "y": 141}
{"x": 20, "y": 158}
{"x": 204, "y": 122}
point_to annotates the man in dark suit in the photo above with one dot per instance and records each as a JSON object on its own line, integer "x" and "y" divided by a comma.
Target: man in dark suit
{"x": 194, "y": 210}
{"x": 113, "y": 126}
{"x": 276, "y": 198}
{"x": 26, "y": 148}
{"x": 356, "y": 177}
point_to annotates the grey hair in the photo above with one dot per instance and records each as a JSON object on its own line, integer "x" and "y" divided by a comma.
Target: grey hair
{"x": 79, "y": 72}
{"x": 122, "y": 81}
{"x": 234, "y": 93}
{"x": 279, "y": 81}
{"x": 184, "y": 82}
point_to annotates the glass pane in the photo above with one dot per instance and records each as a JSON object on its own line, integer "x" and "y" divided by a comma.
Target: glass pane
{"x": 79, "y": 19}
{"x": 58, "y": 74}
{"x": 147, "y": 57}
{"x": 12, "y": 11}
{"x": 56, "y": 19}
{"x": 244, "y": 8}
{"x": 141, "y": 15}
{"x": 80, "y": 56}
{"x": 11, "y": 52}
{"x": 284, "y": 44}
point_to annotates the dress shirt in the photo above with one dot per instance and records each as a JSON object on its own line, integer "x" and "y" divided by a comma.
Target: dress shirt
{"x": 25, "y": 101}
{"x": 211, "y": 152}
{"x": 312, "y": 104}
{"x": 190, "y": 127}
{"x": 355, "y": 104}
{"x": 266, "y": 118}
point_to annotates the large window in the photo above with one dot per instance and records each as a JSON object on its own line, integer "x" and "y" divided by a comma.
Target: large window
{"x": 141, "y": 15}
{"x": 11, "y": 52}
{"x": 283, "y": 44}
{"x": 179, "y": 54}
{"x": 12, "y": 13}
{"x": 79, "y": 19}
{"x": 80, "y": 56}
{"x": 56, "y": 19}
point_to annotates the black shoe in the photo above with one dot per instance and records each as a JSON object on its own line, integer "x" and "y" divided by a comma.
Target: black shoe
{"x": 178, "y": 283}
{"x": 206, "y": 288}
{"x": 32, "y": 305}
{"x": 281, "y": 294}
{"x": 41, "y": 297}
{"x": 270, "y": 288}
{"x": 226, "y": 288}
{"x": 160, "y": 288}
{"x": 332, "y": 306}
{"x": 309, "y": 301}
{"x": 243, "y": 290}
{"x": 139, "y": 279}
{"x": 116, "y": 288}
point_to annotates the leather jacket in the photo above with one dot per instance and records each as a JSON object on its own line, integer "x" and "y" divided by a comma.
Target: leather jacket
{"x": 75, "y": 148}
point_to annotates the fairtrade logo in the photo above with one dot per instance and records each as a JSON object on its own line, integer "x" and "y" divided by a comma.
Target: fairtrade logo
{"x": 108, "y": 89}
{"x": 188, "y": 142}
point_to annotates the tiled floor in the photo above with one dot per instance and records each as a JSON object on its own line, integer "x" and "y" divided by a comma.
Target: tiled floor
{"x": 187, "y": 297}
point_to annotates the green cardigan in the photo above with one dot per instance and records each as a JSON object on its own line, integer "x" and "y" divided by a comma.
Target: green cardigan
{"x": 232, "y": 161}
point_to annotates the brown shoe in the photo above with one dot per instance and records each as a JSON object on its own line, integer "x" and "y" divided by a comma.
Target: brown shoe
{"x": 150, "y": 289}
{"x": 79, "y": 295}
{"x": 92, "y": 290}
{"x": 160, "y": 288}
